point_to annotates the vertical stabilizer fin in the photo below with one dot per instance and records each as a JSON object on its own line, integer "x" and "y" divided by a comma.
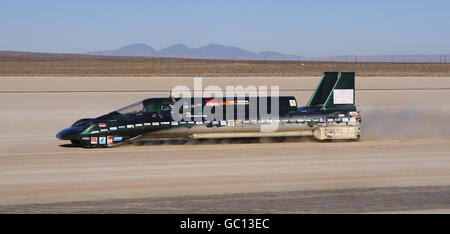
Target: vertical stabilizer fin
{"x": 324, "y": 88}
{"x": 343, "y": 92}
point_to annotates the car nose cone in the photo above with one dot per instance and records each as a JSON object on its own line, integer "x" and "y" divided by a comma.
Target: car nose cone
{"x": 68, "y": 133}
{"x": 62, "y": 135}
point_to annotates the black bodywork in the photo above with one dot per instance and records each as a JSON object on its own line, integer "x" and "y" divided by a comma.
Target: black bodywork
{"x": 153, "y": 117}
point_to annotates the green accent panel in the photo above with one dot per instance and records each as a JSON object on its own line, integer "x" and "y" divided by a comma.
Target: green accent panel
{"x": 323, "y": 89}
{"x": 345, "y": 81}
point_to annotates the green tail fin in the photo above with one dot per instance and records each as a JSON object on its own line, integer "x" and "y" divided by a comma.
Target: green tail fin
{"x": 324, "y": 88}
{"x": 343, "y": 92}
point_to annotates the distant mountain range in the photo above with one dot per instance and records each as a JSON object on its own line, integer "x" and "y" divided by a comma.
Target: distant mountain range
{"x": 215, "y": 51}
{"x": 211, "y": 51}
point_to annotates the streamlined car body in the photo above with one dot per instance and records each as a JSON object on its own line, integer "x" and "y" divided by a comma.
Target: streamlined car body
{"x": 330, "y": 114}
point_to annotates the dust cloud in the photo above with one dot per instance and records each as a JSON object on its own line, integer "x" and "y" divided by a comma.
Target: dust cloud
{"x": 408, "y": 122}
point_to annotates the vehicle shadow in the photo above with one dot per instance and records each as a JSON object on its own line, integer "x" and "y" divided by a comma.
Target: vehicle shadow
{"x": 183, "y": 141}
{"x": 70, "y": 145}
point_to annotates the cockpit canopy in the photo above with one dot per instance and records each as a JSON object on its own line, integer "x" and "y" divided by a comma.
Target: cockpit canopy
{"x": 133, "y": 108}
{"x": 151, "y": 105}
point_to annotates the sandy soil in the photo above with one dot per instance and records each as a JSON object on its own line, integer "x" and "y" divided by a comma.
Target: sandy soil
{"x": 406, "y": 144}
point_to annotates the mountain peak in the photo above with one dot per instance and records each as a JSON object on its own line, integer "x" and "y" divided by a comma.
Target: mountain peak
{"x": 179, "y": 45}
{"x": 177, "y": 50}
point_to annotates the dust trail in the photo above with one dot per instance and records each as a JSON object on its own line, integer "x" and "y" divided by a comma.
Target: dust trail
{"x": 408, "y": 122}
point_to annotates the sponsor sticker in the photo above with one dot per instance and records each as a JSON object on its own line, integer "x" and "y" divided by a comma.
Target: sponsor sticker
{"x": 300, "y": 120}
{"x": 103, "y": 130}
{"x": 174, "y": 123}
{"x": 147, "y": 124}
{"x": 102, "y": 140}
{"x": 94, "y": 132}
{"x": 230, "y": 102}
{"x": 191, "y": 122}
{"x": 121, "y": 127}
{"x": 85, "y": 138}
{"x": 130, "y": 126}
{"x": 215, "y": 122}
{"x": 199, "y": 122}
{"x": 238, "y": 122}
{"x": 246, "y": 121}
{"x": 182, "y": 122}
{"x": 207, "y": 122}
{"x": 292, "y": 102}
{"x": 343, "y": 96}
{"x": 113, "y": 128}
{"x": 165, "y": 123}
{"x": 185, "y": 105}
{"x": 109, "y": 140}
{"x": 94, "y": 140}
{"x": 354, "y": 114}
{"x": 241, "y": 102}
{"x": 344, "y": 119}
{"x": 200, "y": 115}
{"x": 155, "y": 123}
{"x": 102, "y": 125}
{"x": 212, "y": 102}
{"x": 230, "y": 123}
{"x": 116, "y": 139}
{"x": 138, "y": 125}
{"x": 223, "y": 123}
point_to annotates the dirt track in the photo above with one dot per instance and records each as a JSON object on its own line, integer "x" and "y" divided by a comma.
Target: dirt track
{"x": 405, "y": 150}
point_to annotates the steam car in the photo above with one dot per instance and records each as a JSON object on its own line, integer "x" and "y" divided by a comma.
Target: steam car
{"x": 330, "y": 114}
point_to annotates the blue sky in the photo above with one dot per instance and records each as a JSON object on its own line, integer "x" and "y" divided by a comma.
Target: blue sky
{"x": 309, "y": 28}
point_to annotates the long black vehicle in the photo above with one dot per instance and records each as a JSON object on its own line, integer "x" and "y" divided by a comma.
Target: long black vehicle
{"x": 330, "y": 114}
